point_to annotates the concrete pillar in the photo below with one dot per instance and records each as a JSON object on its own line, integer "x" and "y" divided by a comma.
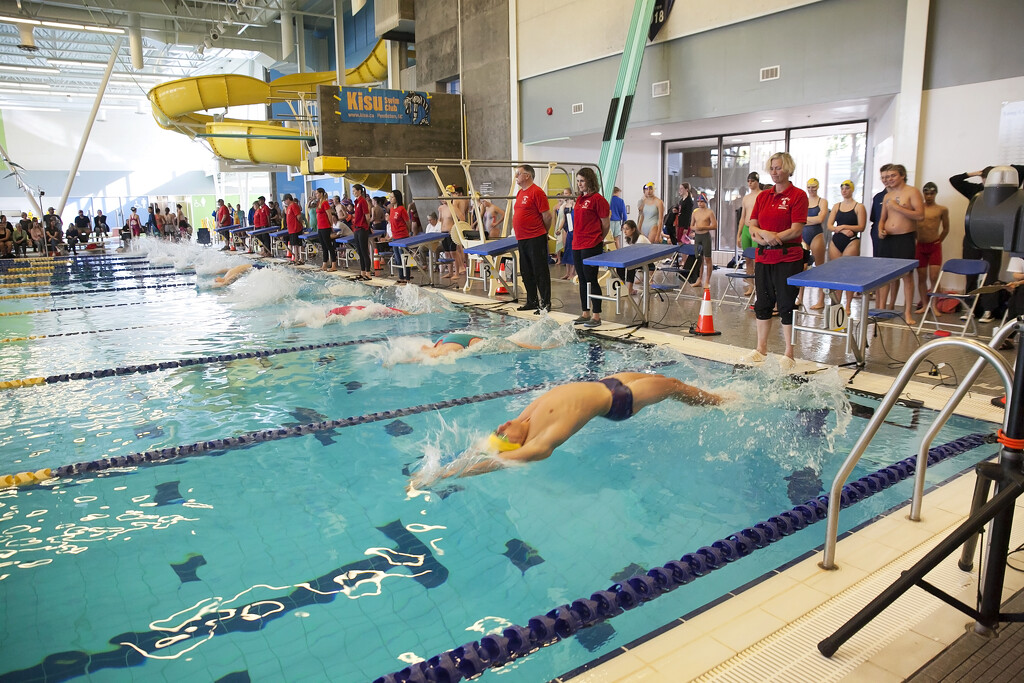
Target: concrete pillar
{"x": 907, "y": 125}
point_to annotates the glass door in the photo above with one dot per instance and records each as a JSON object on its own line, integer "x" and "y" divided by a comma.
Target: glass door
{"x": 694, "y": 162}
{"x": 742, "y": 154}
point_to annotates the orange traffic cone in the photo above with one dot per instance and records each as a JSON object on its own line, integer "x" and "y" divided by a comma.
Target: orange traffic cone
{"x": 501, "y": 278}
{"x": 705, "y": 324}
{"x": 376, "y": 260}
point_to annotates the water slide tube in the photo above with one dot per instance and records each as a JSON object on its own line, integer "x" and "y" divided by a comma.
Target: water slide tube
{"x": 176, "y": 105}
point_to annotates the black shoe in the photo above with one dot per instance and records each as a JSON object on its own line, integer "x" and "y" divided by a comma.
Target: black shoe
{"x": 527, "y": 307}
{"x": 542, "y": 309}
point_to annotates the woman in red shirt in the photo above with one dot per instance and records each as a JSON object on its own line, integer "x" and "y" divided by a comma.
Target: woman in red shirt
{"x": 590, "y": 218}
{"x": 361, "y": 230}
{"x": 776, "y": 225}
{"x": 398, "y": 218}
{"x": 325, "y": 218}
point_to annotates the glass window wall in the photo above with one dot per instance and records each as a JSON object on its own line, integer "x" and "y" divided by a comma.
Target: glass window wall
{"x": 718, "y": 166}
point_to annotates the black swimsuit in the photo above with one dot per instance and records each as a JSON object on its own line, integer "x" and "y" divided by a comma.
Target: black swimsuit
{"x": 622, "y": 400}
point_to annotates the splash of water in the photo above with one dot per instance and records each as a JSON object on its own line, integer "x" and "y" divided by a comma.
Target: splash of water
{"x": 469, "y": 445}
{"x": 414, "y": 299}
{"x": 259, "y": 288}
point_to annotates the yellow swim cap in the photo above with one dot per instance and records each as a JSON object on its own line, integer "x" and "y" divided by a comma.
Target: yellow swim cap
{"x": 813, "y": 181}
{"x": 847, "y": 182}
{"x": 501, "y": 443}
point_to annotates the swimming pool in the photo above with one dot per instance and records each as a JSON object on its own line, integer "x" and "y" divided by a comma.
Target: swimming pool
{"x": 303, "y": 557}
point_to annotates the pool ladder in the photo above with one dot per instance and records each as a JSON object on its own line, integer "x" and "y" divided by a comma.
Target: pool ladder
{"x": 985, "y": 352}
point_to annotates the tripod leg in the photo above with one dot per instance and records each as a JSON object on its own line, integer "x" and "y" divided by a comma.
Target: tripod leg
{"x": 981, "y": 490}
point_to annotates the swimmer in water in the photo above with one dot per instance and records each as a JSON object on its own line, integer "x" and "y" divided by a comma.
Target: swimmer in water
{"x": 231, "y": 275}
{"x": 342, "y": 311}
{"x": 557, "y": 414}
{"x": 456, "y": 342}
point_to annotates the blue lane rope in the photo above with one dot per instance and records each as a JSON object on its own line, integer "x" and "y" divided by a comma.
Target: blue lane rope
{"x": 157, "y": 455}
{"x": 473, "y": 658}
{"x": 69, "y": 274}
{"x": 171, "y": 364}
{"x": 106, "y": 278}
{"x": 97, "y": 291}
{"x": 78, "y": 308}
{"x": 34, "y": 337}
{"x": 74, "y": 257}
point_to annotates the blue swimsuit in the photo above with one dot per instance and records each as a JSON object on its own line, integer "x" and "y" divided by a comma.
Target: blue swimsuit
{"x": 622, "y": 400}
{"x": 461, "y": 338}
{"x": 812, "y": 231}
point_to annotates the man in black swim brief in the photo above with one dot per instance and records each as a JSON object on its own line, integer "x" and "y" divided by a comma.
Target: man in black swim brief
{"x": 557, "y": 414}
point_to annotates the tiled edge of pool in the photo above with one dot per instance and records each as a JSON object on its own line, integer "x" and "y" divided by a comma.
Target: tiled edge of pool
{"x": 719, "y": 631}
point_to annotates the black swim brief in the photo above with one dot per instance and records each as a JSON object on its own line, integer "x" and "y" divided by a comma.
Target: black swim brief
{"x": 622, "y": 400}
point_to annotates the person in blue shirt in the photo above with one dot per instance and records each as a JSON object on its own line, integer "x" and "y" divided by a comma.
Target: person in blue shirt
{"x": 617, "y": 216}
{"x": 876, "y": 208}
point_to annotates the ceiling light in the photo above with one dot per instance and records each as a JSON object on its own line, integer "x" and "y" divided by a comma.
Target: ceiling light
{"x": 656, "y": 133}
{"x": 60, "y": 24}
{"x": 25, "y": 86}
{"x": 767, "y": 120}
{"x": 30, "y": 69}
{"x": 73, "y": 62}
{"x": 17, "y": 107}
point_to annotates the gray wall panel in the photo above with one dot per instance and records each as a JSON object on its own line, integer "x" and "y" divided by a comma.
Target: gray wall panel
{"x": 828, "y": 51}
{"x": 972, "y": 42}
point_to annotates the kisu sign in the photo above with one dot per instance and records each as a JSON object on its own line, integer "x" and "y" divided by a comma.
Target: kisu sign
{"x": 378, "y": 105}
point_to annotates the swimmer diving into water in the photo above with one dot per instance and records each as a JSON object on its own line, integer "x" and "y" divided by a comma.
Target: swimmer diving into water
{"x": 230, "y": 275}
{"x": 557, "y": 414}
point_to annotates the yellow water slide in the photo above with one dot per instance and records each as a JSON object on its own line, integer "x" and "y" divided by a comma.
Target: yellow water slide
{"x": 176, "y": 105}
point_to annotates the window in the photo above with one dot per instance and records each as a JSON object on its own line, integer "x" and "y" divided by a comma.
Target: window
{"x": 718, "y": 166}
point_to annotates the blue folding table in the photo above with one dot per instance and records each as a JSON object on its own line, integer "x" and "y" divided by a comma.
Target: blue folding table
{"x": 225, "y": 232}
{"x": 862, "y": 274}
{"x": 632, "y": 256}
{"x": 256, "y": 232}
{"x": 422, "y": 239}
{"x": 347, "y": 241}
{"x": 491, "y": 252}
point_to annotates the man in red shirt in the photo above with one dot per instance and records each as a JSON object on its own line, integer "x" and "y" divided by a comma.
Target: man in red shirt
{"x": 531, "y": 219}
{"x": 590, "y": 217}
{"x": 223, "y": 219}
{"x": 260, "y": 220}
{"x": 293, "y": 221}
{"x": 776, "y": 225}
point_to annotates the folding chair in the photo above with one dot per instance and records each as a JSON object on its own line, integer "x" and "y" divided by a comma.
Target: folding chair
{"x": 740, "y": 275}
{"x": 956, "y": 266}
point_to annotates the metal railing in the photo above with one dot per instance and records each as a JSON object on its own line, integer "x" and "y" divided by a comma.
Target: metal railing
{"x": 985, "y": 353}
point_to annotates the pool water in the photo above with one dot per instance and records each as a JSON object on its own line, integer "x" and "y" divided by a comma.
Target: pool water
{"x": 305, "y": 558}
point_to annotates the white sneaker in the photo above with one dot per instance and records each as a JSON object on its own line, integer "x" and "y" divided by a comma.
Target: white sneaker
{"x": 986, "y": 317}
{"x": 754, "y": 356}
{"x": 964, "y": 317}
{"x": 786, "y": 363}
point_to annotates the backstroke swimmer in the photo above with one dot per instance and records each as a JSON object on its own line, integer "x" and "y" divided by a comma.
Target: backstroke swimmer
{"x": 557, "y": 414}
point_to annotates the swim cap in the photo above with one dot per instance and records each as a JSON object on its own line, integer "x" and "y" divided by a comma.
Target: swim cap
{"x": 649, "y": 184}
{"x": 702, "y": 198}
{"x": 501, "y": 443}
{"x": 848, "y": 183}
{"x": 450, "y": 189}
{"x": 930, "y": 187}
{"x": 753, "y": 176}
{"x": 813, "y": 181}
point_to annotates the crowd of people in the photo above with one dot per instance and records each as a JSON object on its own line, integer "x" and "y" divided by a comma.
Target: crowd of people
{"x": 49, "y": 234}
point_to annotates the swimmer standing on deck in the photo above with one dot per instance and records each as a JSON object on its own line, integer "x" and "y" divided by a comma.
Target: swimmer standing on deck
{"x": 557, "y": 414}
